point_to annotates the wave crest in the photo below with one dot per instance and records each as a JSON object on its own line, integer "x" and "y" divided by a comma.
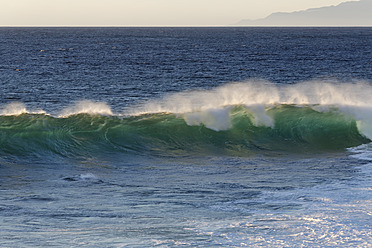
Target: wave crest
{"x": 230, "y": 131}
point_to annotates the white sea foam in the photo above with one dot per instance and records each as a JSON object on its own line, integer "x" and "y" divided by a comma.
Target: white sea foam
{"x": 215, "y": 119}
{"x": 87, "y": 107}
{"x": 260, "y": 117}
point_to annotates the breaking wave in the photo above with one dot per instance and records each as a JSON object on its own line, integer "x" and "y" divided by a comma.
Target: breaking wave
{"x": 236, "y": 119}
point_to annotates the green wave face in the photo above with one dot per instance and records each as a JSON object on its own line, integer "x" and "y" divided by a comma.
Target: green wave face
{"x": 295, "y": 129}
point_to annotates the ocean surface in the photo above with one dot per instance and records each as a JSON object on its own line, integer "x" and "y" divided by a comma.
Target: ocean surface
{"x": 185, "y": 137}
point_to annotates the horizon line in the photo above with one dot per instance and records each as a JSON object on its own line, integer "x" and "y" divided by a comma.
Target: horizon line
{"x": 155, "y": 26}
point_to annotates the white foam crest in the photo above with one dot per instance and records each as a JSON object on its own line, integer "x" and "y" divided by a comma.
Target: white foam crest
{"x": 14, "y": 108}
{"x": 87, "y": 107}
{"x": 260, "y": 118}
{"x": 220, "y": 119}
{"x": 215, "y": 119}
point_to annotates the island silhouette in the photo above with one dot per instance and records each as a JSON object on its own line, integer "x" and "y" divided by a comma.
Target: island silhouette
{"x": 352, "y": 13}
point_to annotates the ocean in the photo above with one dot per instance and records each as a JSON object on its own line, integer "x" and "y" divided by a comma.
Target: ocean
{"x": 185, "y": 137}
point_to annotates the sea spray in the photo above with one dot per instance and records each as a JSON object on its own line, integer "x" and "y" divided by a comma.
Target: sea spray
{"x": 18, "y": 108}
{"x": 14, "y": 108}
{"x": 87, "y": 107}
{"x": 259, "y": 96}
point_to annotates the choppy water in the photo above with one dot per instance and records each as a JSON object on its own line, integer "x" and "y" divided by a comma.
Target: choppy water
{"x": 209, "y": 137}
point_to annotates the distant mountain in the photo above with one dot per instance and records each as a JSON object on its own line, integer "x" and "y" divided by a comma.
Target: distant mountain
{"x": 345, "y": 14}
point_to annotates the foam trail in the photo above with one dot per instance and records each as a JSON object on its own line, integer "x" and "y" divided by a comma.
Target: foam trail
{"x": 87, "y": 107}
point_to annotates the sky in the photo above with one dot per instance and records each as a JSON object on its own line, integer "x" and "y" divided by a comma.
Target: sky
{"x": 145, "y": 12}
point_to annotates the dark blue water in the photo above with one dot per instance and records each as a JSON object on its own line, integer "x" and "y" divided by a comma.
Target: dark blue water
{"x": 139, "y": 137}
{"x": 50, "y": 67}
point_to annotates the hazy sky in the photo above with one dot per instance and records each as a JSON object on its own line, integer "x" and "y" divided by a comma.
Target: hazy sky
{"x": 144, "y": 12}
